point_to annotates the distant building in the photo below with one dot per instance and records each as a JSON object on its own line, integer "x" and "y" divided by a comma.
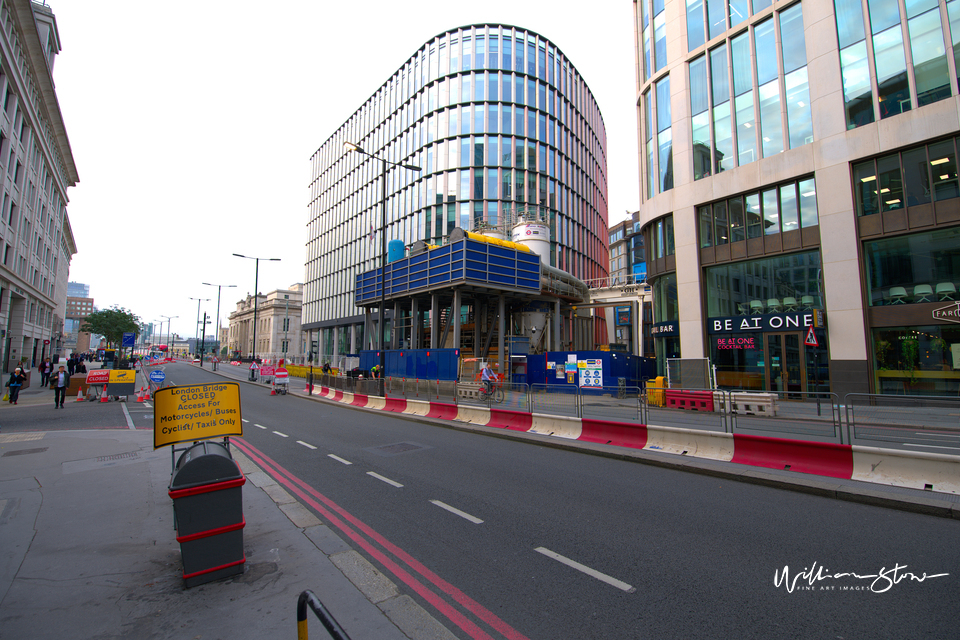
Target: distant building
{"x": 77, "y": 310}
{"x": 36, "y": 169}
{"x": 278, "y": 325}
{"x": 78, "y": 290}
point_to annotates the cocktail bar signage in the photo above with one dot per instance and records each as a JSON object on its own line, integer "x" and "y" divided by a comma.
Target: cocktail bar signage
{"x": 666, "y": 329}
{"x": 741, "y": 342}
{"x": 766, "y": 322}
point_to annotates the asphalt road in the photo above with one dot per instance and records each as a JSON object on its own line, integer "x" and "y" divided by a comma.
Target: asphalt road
{"x": 536, "y": 542}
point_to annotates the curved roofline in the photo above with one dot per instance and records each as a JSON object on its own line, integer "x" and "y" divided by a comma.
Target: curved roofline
{"x": 467, "y": 26}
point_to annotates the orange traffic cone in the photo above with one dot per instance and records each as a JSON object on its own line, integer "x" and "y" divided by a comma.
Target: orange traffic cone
{"x": 79, "y": 395}
{"x": 103, "y": 396}
{"x": 273, "y": 392}
{"x": 146, "y": 394}
{"x": 140, "y": 395}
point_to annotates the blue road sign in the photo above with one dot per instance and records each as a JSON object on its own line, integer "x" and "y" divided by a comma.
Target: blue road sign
{"x": 157, "y": 376}
{"x": 129, "y": 339}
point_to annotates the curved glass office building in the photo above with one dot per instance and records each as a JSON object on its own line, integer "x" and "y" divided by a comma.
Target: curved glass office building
{"x": 798, "y": 162}
{"x": 498, "y": 120}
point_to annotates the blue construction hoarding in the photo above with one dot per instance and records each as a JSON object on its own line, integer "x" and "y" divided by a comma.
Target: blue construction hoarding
{"x": 422, "y": 364}
{"x": 462, "y": 262}
{"x": 588, "y": 369}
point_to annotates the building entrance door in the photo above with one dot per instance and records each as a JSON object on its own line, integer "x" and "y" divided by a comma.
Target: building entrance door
{"x": 783, "y": 354}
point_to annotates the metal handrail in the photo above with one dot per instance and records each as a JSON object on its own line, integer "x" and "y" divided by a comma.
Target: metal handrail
{"x": 309, "y": 598}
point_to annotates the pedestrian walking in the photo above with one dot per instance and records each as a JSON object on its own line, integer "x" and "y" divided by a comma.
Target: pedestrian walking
{"x": 45, "y": 370}
{"x": 16, "y": 381}
{"x": 61, "y": 384}
{"x": 71, "y": 364}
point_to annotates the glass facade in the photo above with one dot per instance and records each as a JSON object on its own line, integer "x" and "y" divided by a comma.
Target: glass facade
{"x": 915, "y": 268}
{"x": 788, "y": 282}
{"x": 911, "y": 177}
{"x": 893, "y": 29}
{"x": 724, "y": 110}
{"x": 497, "y": 118}
{"x": 917, "y": 360}
{"x": 776, "y": 209}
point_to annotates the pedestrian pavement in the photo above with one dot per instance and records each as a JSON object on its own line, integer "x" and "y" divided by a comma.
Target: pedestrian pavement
{"x": 89, "y": 550}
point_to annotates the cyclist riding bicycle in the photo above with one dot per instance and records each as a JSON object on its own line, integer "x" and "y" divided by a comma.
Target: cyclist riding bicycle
{"x": 487, "y": 377}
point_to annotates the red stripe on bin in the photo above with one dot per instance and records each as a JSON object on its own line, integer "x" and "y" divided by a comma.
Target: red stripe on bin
{"x": 187, "y": 576}
{"x": 397, "y": 405}
{"x": 514, "y": 420}
{"x": 819, "y": 458}
{"x": 213, "y": 532}
{"x": 207, "y": 488}
{"x": 442, "y": 410}
{"x": 621, "y": 434}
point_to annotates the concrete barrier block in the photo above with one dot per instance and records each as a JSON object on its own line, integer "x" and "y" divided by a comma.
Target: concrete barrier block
{"x": 914, "y": 469}
{"x": 473, "y": 415}
{"x": 347, "y": 398}
{"x": 375, "y": 402}
{"x": 558, "y": 426}
{"x": 417, "y": 407}
{"x": 691, "y": 442}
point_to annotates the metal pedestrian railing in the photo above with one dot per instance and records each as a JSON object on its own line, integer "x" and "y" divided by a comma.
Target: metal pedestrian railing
{"x": 932, "y": 422}
{"x": 309, "y": 599}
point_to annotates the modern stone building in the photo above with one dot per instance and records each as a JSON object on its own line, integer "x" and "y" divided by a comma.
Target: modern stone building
{"x": 278, "y": 316}
{"x": 797, "y": 158}
{"x": 498, "y": 120}
{"x": 36, "y": 169}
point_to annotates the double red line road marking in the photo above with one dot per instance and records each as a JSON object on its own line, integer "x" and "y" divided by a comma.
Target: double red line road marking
{"x": 365, "y": 537}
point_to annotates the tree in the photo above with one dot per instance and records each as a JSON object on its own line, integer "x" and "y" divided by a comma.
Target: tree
{"x": 112, "y": 324}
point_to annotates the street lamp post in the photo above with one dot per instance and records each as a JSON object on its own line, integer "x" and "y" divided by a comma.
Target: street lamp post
{"x": 351, "y": 146}
{"x": 167, "y": 341}
{"x": 196, "y": 340}
{"x": 219, "y": 287}
{"x": 256, "y": 296}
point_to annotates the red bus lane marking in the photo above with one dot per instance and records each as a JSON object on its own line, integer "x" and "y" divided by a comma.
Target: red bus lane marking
{"x": 302, "y": 489}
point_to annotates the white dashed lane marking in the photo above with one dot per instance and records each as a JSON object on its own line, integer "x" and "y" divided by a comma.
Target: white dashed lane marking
{"x": 387, "y": 480}
{"x": 259, "y": 425}
{"x": 338, "y": 459}
{"x": 455, "y": 511}
{"x": 593, "y": 573}
{"x": 282, "y": 435}
{"x": 308, "y": 446}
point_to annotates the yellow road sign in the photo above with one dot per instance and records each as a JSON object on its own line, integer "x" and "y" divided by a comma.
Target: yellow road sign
{"x": 196, "y": 412}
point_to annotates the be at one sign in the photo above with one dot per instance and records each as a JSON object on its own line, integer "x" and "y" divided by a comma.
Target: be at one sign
{"x": 196, "y": 412}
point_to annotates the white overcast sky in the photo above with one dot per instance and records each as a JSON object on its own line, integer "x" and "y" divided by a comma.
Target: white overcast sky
{"x": 192, "y": 125}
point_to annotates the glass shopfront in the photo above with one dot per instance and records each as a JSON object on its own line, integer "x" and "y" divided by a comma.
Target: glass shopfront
{"x": 666, "y": 329}
{"x": 760, "y": 316}
{"x": 921, "y": 360}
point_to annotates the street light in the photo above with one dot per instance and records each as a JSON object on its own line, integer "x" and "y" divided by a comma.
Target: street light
{"x": 352, "y": 146}
{"x": 197, "y": 327}
{"x": 218, "y": 286}
{"x": 167, "y": 341}
{"x": 256, "y": 296}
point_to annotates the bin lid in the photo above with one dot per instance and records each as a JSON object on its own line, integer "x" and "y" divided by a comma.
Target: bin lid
{"x": 206, "y": 462}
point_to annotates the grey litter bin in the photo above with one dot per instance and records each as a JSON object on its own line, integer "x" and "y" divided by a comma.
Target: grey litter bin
{"x": 208, "y": 513}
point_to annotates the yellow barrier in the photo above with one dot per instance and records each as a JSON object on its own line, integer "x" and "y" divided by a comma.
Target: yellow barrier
{"x": 656, "y": 393}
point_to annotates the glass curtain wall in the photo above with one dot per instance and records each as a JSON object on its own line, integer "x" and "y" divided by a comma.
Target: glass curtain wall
{"x": 928, "y": 51}
{"x": 726, "y": 100}
{"x": 496, "y": 118}
{"x": 911, "y": 177}
{"x": 777, "y": 209}
{"x": 888, "y": 57}
{"x": 664, "y": 135}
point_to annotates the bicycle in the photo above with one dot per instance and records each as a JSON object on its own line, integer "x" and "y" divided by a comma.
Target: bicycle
{"x": 495, "y": 393}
